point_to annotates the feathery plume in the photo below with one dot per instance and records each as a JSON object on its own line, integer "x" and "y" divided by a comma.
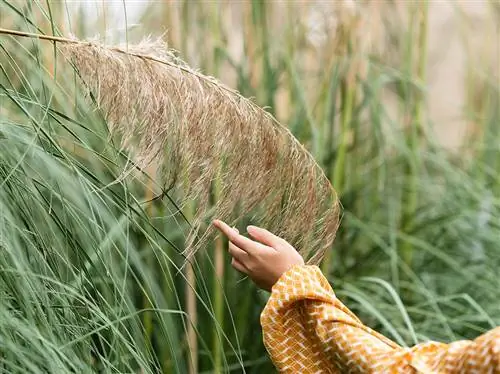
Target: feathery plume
{"x": 200, "y": 131}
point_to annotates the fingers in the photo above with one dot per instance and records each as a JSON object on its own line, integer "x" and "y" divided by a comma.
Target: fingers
{"x": 265, "y": 237}
{"x": 239, "y": 266}
{"x": 239, "y": 256}
{"x": 225, "y": 229}
{"x": 240, "y": 241}
{"x": 237, "y": 253}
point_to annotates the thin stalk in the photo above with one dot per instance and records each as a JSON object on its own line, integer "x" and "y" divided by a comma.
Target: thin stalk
{"x": 249, "y": 36}
{"x": 218, "y": 284}
{"x": 337, "y": 175}
{"x": 146, "y": 301}
{"x": 185, "y": 28}
{"x": 218, "y": 277}
{"x": 190, "y": 295}
{"x": 330, "y": 111}
{"x": 168, "y": 357}
{"x": 192, "y": 339}
{"x": 410, "y": 197}
{"x": 269, "y": 81}
{"x": 216, "y": 35}
{"x": 348, "y": 91}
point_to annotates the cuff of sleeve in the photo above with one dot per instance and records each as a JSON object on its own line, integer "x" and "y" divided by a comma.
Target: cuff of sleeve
{"x": 302, "y": 282}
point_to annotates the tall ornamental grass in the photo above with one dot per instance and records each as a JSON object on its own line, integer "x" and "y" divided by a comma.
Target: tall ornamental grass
{"x": 93, "y": 270}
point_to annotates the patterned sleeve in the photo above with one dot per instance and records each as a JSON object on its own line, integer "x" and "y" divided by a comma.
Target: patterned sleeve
{"x": 308, "y": 330}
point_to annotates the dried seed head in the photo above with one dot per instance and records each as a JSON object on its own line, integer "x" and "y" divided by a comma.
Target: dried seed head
{"x": 202, "y": 133}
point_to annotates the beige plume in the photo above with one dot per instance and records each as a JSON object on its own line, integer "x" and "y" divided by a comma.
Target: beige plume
{"x": 200, "y": 133}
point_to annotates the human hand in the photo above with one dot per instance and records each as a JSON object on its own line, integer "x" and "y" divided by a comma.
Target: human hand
{"x": 263, "y": 259}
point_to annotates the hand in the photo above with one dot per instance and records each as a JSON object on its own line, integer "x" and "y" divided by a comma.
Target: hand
{"x": 263, "y": 259}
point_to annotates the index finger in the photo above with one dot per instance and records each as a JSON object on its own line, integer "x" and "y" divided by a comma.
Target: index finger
{"x": 241, "y": 241}
{"x": 266, "y": 237}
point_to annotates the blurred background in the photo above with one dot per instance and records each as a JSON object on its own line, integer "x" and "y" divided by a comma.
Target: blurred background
{"x": 398, "y": 101}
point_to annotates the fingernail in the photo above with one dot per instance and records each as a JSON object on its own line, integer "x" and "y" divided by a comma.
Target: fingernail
{"x": 235, "y": 229}
{"x": 250, "y": 228}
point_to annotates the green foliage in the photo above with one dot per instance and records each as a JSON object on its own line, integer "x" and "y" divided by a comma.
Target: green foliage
{"x": 91, "y": 276}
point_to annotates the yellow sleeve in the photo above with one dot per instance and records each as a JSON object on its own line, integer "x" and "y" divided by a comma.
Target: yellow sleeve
{"x": 306, "y": 329}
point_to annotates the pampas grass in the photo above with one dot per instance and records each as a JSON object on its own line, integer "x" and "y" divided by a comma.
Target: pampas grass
{"x": 90, "y": 272}
{"x": 199, "y": 131}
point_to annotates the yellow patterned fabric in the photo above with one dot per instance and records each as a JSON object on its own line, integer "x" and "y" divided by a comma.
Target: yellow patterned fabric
{"x": 308, "y": 330}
